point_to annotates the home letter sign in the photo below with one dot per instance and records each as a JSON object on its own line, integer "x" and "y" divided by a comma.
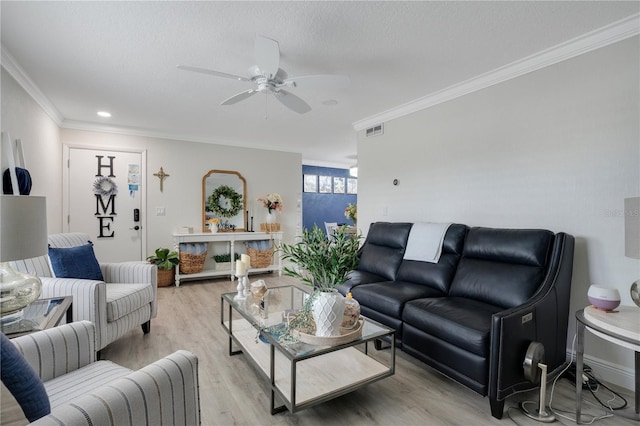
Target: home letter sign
{"x": 105, "y": 190}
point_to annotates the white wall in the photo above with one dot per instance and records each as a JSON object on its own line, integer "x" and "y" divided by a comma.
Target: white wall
{"x": 558, "y": 149}
{"x": 24, "y": 119}
{"x": 186, "y": 162}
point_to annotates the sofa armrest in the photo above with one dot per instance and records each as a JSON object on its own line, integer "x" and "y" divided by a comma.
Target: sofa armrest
{"x": 133, "y": 273}
{"x": 543, "y": 318}
{"x": 89, "y": 301}
{"x": 165, "y": 392}
{"x": 59, "y": 350}
{"x": 129, "y": 272}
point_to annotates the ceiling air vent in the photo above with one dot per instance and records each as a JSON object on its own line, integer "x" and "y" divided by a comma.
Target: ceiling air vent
{"x": 376, "y": 130}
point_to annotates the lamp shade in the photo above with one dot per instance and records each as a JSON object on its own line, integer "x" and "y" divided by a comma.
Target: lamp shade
{"x": 632, "y": 227}
{"x": 23, "y": 227}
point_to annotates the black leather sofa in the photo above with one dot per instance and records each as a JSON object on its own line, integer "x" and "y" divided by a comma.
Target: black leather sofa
{"x": 473, "y": 314}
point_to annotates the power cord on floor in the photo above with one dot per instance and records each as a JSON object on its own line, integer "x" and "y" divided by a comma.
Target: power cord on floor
{"x": 616, "y": 395}
{"x": 559, "y": 412}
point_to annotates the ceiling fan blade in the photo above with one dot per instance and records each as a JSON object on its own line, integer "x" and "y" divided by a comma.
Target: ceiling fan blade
{"x": 267, "y": 54}
{"x": 292, "y": 102}
{"x": 239, "y": 97}
{"x": 320, "y": 81}
{"x": 212, "y": 72}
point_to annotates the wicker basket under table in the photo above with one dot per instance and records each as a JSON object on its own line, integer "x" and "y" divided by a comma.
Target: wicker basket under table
{"x": 260, "y": 258}
{"x": 192, "y": 263}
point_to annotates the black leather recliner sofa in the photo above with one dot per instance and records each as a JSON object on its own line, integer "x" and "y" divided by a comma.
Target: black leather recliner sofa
{"x": 473, "y": 314}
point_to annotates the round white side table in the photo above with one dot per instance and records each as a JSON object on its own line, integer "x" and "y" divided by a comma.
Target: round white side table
{"x": 621, "y": 327}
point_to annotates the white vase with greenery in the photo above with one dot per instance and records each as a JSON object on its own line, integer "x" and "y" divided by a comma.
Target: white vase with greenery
{"x": 271, "y": 217}
{"x": 328, "y": 310}
{"x": 323, "y": 264}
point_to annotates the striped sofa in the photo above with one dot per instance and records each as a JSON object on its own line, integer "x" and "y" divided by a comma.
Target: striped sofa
{"x": 127, "y": 297}
{"x": 83, "y": 391}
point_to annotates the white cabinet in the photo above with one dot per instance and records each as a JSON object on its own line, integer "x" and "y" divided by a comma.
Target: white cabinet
{"x": 231, "y": 238}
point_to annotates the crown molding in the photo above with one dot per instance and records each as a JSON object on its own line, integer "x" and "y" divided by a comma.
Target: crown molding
{"x": 16, "y": 71}
{"x": 134, "y": 131}
{"x": 330, "y": 164}
{"x": 615, "y": 32}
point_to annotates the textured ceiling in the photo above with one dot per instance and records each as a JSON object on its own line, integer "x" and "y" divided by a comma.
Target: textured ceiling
{"x": 122, "y": 57}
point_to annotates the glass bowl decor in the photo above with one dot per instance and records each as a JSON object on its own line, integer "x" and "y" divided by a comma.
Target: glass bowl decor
{"x": 351, "y": 312}
{"x": 635, "y": 293}
{"x": 258, "y": 288}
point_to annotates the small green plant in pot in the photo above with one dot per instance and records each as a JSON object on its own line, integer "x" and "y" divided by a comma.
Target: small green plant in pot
{"x": 223, "y": 261}
{"x": 225, "y": 257}
{"x": 165, "y": 260}
{"x": 323, "y": 263}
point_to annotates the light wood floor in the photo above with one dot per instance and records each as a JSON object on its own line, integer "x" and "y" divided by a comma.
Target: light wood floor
{"x": 231, "y": 393}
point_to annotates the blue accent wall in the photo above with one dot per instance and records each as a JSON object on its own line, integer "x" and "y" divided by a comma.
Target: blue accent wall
{"x": 318, "y": 208}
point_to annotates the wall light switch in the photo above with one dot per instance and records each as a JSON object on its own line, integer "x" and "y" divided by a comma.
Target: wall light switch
{"x": 160, "y": 211}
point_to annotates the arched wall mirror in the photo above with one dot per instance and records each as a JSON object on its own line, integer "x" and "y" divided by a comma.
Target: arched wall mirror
{"x": 224, "y": 196}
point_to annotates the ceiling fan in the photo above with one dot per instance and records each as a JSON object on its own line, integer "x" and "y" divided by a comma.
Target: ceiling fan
{"x": 267, "y": 77}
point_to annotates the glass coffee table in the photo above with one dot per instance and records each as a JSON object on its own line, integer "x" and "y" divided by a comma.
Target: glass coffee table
{"x": 300, "y": 374}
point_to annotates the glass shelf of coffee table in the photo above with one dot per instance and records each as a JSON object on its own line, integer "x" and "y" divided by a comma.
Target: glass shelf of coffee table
{"x": 300, "y": 374}
{"x": 39, "y": 315}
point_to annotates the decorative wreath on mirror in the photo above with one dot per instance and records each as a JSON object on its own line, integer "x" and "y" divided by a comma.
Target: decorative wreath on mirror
{"x": 234, "y": 201}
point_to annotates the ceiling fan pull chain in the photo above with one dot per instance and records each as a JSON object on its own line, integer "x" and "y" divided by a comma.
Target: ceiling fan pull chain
{"x": 266, "y": 114}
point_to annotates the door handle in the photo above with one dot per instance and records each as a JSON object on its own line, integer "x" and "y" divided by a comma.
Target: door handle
{"x": 135, "y": 228}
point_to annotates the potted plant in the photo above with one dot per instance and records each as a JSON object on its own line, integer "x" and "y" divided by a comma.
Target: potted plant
{"x": 323, "y": 264}
{"x": 351, "y": 212}
{"x": 165, "y": 260}
{"x": 223, "y": 261}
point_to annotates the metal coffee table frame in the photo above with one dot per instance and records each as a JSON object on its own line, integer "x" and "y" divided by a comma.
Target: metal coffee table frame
{"x": 303, "y": 361}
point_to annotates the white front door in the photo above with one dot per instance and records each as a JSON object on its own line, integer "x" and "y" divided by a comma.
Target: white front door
{"x": 103, "y": 197}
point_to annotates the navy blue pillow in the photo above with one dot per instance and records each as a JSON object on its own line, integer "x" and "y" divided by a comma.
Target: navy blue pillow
{"x": 75, "y": 262}
{"x": 23, "y": 185}
{"x": 22, "y": 381}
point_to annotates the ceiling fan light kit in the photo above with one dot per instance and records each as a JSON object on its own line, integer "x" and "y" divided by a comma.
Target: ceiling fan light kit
{"x": 268, "y": 78}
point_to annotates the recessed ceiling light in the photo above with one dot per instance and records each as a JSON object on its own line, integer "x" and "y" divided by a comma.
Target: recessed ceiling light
{"x": 330, "y": 102}
{"x": 104, "y": 114}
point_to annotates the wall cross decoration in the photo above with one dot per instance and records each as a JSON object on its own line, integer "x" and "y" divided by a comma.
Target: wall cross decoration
{"x": 161, "y": 175}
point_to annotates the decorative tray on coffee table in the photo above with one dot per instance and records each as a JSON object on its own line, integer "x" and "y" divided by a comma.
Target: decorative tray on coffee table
{"x": 346, "y": 335}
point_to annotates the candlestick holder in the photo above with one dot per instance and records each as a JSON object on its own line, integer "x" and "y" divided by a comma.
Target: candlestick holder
{"x": 247, "y": 286}
{"x": 241, "y": 287}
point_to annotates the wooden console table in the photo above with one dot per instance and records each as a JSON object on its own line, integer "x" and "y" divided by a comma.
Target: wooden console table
{"x": 230, "y": 238}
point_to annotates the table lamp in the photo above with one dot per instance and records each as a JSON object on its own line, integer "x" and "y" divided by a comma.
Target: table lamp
{"x": 23, "y": 235}
{"x": 632, "y": 238}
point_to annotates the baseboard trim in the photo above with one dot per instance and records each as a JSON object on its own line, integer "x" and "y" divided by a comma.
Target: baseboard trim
{"x": 608, "y": 371}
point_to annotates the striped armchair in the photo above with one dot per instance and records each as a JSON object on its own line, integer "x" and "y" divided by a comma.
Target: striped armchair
{"x": 127, "y": 297}
{"x": 83, "y": 391}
